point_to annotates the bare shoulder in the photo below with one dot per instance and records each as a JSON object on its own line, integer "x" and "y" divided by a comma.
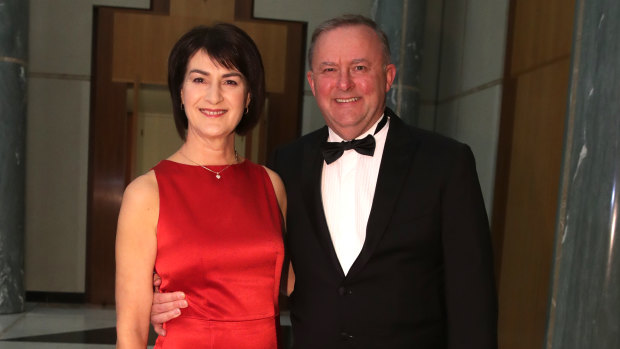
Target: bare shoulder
{"x": 141, "y": 194}
{"x": 278, "y": 187}
{"x": 142, "y": 189}
{"x": 275, "y": 179}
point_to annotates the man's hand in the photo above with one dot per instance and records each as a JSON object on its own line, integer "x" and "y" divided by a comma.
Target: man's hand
{"x": 166, "y": 306}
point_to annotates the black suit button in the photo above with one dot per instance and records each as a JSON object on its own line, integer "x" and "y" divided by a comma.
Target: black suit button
{"x": 343, "y": 291}
{"x": 346, "y": 336}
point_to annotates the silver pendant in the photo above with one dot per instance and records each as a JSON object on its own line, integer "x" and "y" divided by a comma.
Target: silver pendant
{"x": 218, "y": 176}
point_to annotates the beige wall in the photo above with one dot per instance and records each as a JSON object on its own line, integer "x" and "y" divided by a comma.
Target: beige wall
{"x": 57, "y": 141}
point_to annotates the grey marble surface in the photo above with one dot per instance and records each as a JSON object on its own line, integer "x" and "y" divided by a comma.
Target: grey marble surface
{"x": 585, "y": 294}
{"x": 403, "y": 23}
{"x": 13, "y": 56}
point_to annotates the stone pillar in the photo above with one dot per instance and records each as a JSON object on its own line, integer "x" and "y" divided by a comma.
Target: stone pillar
{"x": 13, "y": 55}
{"x": 585, "y": 294}
{"x": 403, "y": 22}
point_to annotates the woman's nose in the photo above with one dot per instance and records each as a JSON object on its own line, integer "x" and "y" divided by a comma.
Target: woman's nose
{"x": 213, "y": 94}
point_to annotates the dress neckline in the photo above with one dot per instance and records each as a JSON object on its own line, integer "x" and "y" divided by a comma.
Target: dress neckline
{"x": 210, "y": 166}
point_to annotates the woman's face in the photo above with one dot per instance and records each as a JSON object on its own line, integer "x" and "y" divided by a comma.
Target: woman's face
{"x": 214, "y": 97}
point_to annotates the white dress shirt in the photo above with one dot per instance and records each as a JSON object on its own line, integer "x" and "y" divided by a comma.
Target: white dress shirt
{"x": 347, "y": 188}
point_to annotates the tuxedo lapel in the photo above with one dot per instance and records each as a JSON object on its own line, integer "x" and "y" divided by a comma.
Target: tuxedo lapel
{"x": 398, "y": 154}
{"x": 311, "y": 181}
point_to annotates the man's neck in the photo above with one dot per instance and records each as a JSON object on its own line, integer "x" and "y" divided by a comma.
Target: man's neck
{"x": 336, "y": 136}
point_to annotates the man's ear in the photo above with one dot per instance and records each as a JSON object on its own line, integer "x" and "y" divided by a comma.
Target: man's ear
{"x": 390, "y": 75}
{"x": 310, "y": 77}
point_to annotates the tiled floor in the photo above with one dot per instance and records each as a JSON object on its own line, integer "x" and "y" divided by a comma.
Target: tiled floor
{"x": 55, "y": 326}
{"x": 45, "y": 325}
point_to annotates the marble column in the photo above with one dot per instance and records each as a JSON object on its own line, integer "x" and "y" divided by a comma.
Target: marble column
{"x": 13, "y": 56}
{"x": 585, "y": 294}
{"x": 403, "y": 22}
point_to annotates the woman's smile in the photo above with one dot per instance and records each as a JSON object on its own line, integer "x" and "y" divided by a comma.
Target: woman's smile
{"x": 213, "y": 113}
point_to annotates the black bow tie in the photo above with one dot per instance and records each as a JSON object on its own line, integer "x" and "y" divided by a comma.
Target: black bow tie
{"x": 332, "y": 151}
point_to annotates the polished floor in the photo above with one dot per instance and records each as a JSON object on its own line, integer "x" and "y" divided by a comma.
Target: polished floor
{"x": 55, "y": 326}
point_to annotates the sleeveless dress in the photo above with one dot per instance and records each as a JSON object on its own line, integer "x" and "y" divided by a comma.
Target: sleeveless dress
{"x": 220, "y": 242}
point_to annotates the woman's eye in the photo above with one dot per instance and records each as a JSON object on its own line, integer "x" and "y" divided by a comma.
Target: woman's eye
{"x": 198, "y": 80}
{"x": 230, "y": 82}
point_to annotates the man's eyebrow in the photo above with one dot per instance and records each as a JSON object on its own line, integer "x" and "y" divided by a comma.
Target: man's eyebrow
{"x": 359, "y": 60}
{"x": 354, "y": 61}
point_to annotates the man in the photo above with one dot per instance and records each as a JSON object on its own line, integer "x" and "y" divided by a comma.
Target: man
{"x": 389, "y": 241}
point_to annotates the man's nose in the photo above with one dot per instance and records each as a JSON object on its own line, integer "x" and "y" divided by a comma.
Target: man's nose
{"x": 344, "y": 80}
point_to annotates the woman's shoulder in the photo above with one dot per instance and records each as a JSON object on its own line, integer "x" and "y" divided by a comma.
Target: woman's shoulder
{"x": 143, "y": 190}
{"x": 140, "y": 206}
{"x": 262, "y": 170}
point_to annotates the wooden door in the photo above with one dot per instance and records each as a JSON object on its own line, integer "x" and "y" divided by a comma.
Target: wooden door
{"x": 529, "y": 162}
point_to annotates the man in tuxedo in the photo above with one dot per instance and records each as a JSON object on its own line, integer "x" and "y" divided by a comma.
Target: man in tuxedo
{"x": 386, "y": 225}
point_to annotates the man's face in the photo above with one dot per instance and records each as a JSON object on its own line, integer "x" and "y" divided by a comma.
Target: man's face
{"x": 349, "y": 79}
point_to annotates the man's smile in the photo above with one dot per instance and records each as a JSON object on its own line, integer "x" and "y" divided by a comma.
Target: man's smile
{"x": 347, "y": 100}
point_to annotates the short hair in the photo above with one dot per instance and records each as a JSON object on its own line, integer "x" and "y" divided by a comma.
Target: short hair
{"x": 228, "y": 46}
{"x": 346, "y": 21}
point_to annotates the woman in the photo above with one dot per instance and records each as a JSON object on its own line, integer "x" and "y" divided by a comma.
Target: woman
{"x": 207, "y": 221}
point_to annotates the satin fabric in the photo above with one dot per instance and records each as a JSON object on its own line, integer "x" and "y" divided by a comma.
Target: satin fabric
{"x": 220, "y": 242}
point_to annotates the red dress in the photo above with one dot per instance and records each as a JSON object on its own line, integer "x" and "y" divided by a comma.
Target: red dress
{"x": 220, "y": 242}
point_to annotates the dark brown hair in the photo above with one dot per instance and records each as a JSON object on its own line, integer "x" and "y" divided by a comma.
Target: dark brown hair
{"x": 228, "y": 46}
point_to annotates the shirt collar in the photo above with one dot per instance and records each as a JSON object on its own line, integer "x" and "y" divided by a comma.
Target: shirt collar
{"x": 333, "y": 137}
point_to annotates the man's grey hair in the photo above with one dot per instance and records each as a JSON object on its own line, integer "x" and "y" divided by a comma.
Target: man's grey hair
{"x": 346, "y": 21}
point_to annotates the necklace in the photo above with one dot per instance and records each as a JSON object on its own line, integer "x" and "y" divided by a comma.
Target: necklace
{"x": 217, "y": 173}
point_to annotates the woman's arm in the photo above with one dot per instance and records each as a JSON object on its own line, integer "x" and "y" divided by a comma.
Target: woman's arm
{"x": 278, "y": 187}
{"x": 136, "y": 248}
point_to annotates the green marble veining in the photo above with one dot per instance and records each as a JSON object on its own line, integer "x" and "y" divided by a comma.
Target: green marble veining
{"x": 13, "y": 56}
{"x": 403, "y": 23}
{"x": 585, "y": 294}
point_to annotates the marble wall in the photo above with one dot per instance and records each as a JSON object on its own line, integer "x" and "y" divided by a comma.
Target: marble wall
{"x": 403, "y": 23}
{"x": 13, "y": 64}
{"x": 461, "y": 81}
{"x": 584, "y": 310}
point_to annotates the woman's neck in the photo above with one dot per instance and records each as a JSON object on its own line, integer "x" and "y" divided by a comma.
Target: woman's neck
{"x": 210, "y": 151}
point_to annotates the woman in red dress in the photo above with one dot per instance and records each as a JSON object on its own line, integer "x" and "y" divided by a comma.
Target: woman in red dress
{"x": 205, "y": 220}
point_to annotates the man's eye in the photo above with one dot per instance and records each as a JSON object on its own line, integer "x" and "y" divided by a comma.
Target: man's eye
{"x": 329, "y": 70}
{"x": 359, "y": 68}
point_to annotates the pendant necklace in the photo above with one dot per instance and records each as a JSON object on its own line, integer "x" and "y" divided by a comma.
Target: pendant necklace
{"x": 217, "y": 173}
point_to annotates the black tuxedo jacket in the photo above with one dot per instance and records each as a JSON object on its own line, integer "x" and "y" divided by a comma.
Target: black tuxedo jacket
{"x": 424, "y": 277}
